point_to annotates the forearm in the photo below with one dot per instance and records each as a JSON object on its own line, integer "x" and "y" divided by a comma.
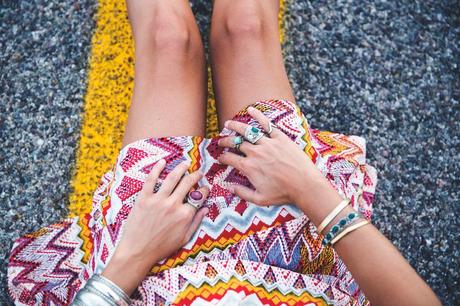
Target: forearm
{"x": 116, "y": 283}
{"x": 126, "y": 273}
{"x": 374, "y": 262}
{"x": 379, "y": 268}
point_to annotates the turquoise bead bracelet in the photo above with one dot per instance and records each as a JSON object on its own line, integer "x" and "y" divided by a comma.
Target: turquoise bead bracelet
{"x": 340, "y": 226}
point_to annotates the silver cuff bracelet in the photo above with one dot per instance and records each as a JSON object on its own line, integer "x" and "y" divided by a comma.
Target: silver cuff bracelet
{"x": 101, "y": 291}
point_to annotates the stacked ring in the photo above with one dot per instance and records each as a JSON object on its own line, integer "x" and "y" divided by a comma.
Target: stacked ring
{"x": 238, "y": 140}
{"x": 271, "y": 126}
{"x": 195, "y": 198}
{"x": 253, "y": 134}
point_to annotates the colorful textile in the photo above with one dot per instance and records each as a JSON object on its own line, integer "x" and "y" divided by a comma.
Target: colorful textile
{"x": 241, "y": 252}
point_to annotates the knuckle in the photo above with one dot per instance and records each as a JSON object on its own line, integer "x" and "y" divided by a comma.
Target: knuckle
{"x": 142, "y": 201}
{"x": 243, "y": 163}
{"x": 249, "y": 163}
{"x": 248, "y": 147}
{"x": 177, "y": 214}
{"x": 183, "y": 214}
{"x": 150, "y": 179}
{"x": 189, "y": 179}
{"x": 173, "y": 175}
{"x": 223, "y": 142}
{"x": 168, "y": 203}
{"x": 225, "y": 158}
{"x": 230, "y": 124}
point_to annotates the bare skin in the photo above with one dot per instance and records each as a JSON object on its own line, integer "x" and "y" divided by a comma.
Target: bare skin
{"x": 156, "y": 217}
{"x": 247, "y": 63}
{"x": 377, "y": 266}
{"x": 170, "y": 71}
{"x": 247, "y": 66}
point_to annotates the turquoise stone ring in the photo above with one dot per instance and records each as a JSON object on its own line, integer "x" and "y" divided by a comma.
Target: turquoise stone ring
{"x": 237, "y": 140}
{"x": 253, "y": 134}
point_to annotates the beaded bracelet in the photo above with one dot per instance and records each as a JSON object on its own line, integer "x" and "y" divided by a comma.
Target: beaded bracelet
{"x": 349, "y": 230}
{"x": 340, "y": 226}
{"x": 332, "y": 215}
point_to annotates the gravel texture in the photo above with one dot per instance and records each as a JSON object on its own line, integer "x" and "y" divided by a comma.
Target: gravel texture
{"x": 44, "y": 50}
{"x": 386, "y": 70}
{"x": 389, "y": 71}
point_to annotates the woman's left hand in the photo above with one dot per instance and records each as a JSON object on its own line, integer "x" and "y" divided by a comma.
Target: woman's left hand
{"x": 157, "y": 226}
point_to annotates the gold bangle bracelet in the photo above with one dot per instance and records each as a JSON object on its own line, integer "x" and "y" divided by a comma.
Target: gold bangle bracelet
{"x": 349, "y": 230}
{"x": 332, "y": 215}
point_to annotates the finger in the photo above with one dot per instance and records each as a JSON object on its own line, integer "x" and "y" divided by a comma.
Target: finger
{"x": 263, "y": 121}
{"x": 240, "y": 128}
{"x": 174, "y": 178}
{"x": 186, "y": 184}
{"x": 152, "y": 178}
{"x": 230, "y": 141}
{"x": 232, "y": 159}
{"x": 197, "y": 219}
{"x": 246, "y": 193}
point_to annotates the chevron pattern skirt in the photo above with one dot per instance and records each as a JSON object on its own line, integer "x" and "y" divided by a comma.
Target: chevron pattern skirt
{"x": 241, "y": 253}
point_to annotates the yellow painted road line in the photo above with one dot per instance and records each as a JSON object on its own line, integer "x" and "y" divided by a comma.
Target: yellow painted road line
{"x": 107, "y": 100}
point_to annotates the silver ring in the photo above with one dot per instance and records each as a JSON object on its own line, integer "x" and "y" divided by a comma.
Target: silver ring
{"x": 270, "y": 128}
{"x": 195, "y": 198}
{"x": 238, "y": 140}
{"x": 253, "y": 134}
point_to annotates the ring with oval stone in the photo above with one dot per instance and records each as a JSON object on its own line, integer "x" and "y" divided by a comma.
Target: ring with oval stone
{"x": 195, "y": 198}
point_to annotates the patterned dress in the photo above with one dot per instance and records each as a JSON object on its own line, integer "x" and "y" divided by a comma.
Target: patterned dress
{"x": 242, "y": 254}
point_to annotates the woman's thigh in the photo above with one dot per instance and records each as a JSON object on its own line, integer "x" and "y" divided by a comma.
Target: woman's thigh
{"x": 169, "y": 97}
{"x": 246, "y": 55}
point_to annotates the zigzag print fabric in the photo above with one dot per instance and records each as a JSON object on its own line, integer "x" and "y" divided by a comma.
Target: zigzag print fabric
{"x": 241, "y": 253}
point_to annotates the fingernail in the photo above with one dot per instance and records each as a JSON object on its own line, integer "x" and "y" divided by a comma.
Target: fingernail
{"x": 251, "y": 109}
{"x": 186, "y": 163}
{"x": 226, "y": 124}
{"x": 161, "y": 161}
{"x": 231, "y": 188}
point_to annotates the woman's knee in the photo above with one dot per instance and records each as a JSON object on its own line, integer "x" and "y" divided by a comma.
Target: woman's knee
{"x": 172, "y": 34}
{"x": 240, "y": 20}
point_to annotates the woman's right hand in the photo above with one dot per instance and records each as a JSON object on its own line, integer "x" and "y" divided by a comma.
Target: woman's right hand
{"x": 157, "y": 226}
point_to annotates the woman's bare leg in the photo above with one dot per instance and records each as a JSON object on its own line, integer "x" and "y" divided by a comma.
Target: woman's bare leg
{"x": 170, "y": 89}
{"x": 246, "y": 57}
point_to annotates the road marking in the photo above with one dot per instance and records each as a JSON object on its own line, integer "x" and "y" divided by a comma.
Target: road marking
{"x": 107, "y": 100}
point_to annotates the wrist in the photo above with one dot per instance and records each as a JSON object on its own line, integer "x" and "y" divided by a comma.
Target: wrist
{"x": 317, "y": 198}
{"x": 127, "y": 272}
